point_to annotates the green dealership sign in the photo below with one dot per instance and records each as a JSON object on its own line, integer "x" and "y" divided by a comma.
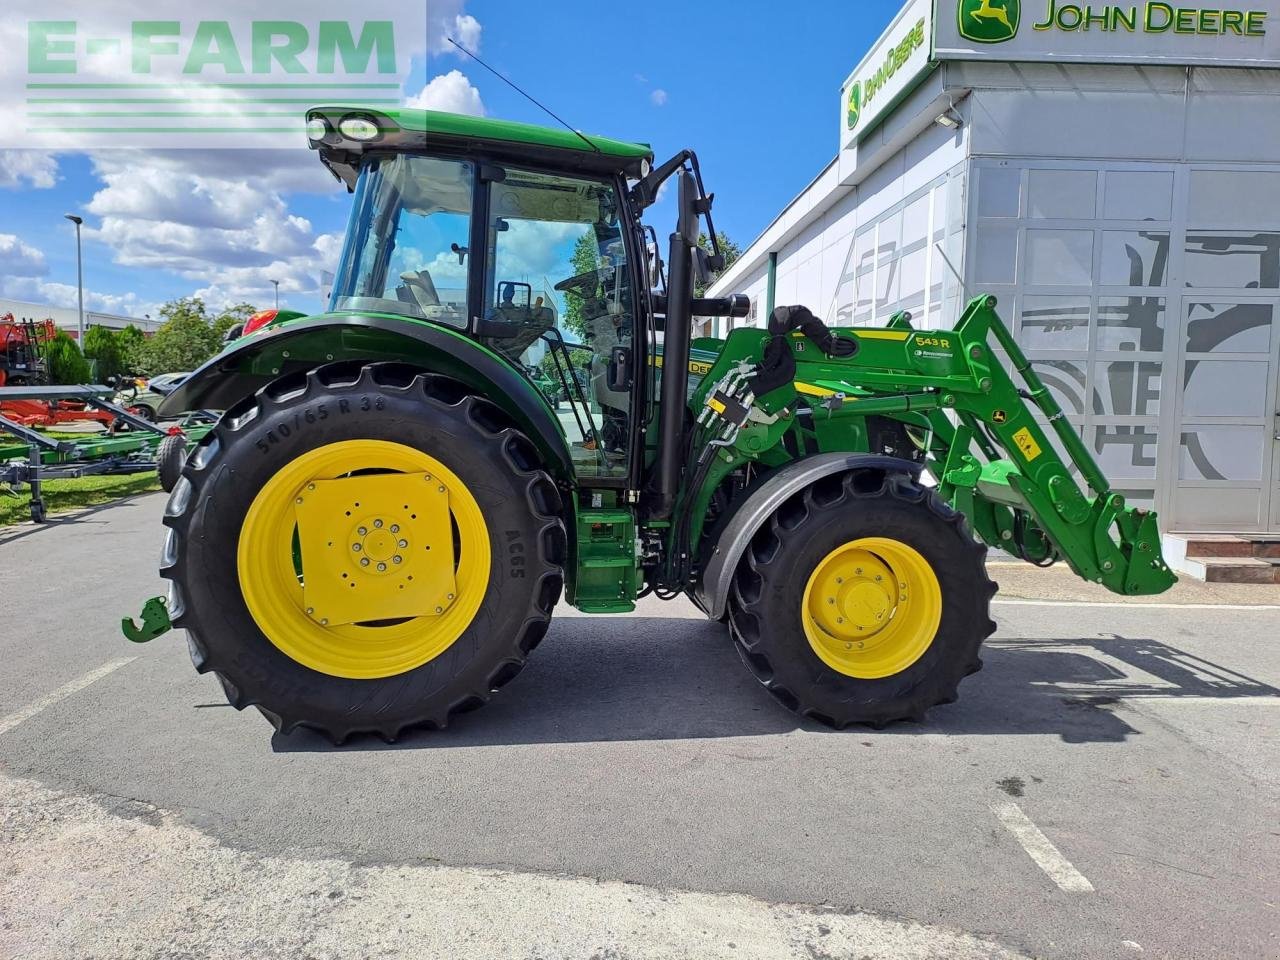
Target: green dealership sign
{"x": 1155, "y": 31}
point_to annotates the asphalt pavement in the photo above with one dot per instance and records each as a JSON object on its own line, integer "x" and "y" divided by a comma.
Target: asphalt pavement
{"x": 1108, "y": 786}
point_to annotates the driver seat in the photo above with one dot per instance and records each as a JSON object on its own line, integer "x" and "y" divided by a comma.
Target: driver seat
{"x": 422, "y": 288}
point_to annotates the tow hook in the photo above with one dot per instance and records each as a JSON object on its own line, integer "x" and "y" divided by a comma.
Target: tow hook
{"x": 155, "y": 622}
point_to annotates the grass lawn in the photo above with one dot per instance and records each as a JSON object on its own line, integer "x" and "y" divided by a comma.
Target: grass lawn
{"x": 63, "y": 495}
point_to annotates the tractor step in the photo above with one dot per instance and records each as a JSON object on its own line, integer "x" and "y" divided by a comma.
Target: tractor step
{"x": 606, "y": 580}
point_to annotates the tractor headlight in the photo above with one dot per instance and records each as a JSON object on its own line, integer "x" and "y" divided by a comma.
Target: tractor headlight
{"x": 317, "y": 129}
{"x": 358, "y": 128}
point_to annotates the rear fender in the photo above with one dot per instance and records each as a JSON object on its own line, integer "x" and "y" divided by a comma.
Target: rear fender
{"x": 712, "y": 590}
{"x": 300, "y": 345}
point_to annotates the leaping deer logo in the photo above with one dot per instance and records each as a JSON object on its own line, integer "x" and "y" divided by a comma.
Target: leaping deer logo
{"x": 988, "y": 21}
{"x": 985, "y": 11}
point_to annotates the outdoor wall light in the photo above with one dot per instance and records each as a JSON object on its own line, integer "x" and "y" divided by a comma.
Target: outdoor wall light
{"x": 949, "y": 118}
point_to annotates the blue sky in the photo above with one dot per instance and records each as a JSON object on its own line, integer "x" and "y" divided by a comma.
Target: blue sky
{"x": 753, "y": 91}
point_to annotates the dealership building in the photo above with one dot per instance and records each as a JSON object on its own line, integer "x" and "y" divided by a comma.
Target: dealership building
{"x": 1112, "y": 175}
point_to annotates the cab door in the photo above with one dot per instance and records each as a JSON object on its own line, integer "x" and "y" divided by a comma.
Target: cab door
{"x": 558, "y": 299}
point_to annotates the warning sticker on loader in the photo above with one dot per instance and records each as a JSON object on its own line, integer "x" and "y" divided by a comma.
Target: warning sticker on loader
{"x": 1027, "y": 444}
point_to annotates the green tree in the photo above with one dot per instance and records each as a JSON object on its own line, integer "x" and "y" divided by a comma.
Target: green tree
{"x": 67, "y": 364}
{"x": 231, "y": 316}
{"x": 131, "y": 343}
{"x": 103, "y": 346}
{"x": 728, "y": 247}
{"x": 185, "y": 340}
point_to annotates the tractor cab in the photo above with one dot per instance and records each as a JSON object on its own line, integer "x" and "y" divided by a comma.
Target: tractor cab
{"x": 535, "y": 254}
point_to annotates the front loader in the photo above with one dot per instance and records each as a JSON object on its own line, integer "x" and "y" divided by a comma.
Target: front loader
{"x": 503, "y": 408}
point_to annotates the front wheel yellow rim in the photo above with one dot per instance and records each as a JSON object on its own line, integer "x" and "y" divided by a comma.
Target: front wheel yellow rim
{"x": 871, "y": 607}
{"x": 272, "y": 578}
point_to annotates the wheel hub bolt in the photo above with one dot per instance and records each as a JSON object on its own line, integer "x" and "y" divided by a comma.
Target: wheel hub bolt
{"x": 396, "y": 558}
{"x": 442, "y": 488}
{"x": 403, "y": 544}
{"x": 377, "y": 523}
{"x": 382, "y": 568}
{"x": 439, "y": 609}
{"x": 395, "y": 528}
{"x": 451, "y": 596}
{"x": 363, "y": 531}
{"x": 364, "y": 561}
{"x": 355, "y": 547}
{"x": 310, "y": 611}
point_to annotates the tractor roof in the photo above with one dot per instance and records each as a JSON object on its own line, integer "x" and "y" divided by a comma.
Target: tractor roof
{"x": 422, "y": 131}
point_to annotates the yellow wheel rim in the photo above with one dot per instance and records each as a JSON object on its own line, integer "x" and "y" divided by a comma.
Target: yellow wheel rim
{"x": 871, "y": 608}
{"x": 273, "y": 584}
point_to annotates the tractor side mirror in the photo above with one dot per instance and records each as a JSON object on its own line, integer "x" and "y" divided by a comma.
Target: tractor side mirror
{"x": 619, "y": 375}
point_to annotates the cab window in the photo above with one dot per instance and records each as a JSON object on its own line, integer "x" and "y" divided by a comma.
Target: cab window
{"x": 408, "y": 254}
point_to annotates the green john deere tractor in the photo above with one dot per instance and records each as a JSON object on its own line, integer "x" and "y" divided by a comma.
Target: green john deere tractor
{"x": 375, "y": 535}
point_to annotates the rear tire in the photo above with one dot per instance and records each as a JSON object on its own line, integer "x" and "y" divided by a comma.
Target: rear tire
{"x": 171, "y": 454}
{"x": 774, "y": 587}
{"x": 380, "y": 406}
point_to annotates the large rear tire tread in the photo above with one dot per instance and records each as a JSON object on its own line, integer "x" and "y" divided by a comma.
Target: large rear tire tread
{"x": 765, "y": 635}
{"x": 494, "y": 435}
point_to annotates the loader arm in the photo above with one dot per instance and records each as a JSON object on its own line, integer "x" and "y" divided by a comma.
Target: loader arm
{"x": 985, "y": 439}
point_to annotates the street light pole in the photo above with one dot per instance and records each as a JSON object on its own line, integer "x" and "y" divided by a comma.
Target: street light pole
{"x": 277, "y": 283}
{"x": 79, "y": 278}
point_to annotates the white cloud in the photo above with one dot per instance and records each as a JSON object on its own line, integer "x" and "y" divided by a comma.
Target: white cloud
{"x": 466, "y": 31}
{"x": 66, "y": 295}
{"x": 218, "y": 218}
{"x": 451, "y": 92}
{"x": 659, "y": 97}
{"x": 37, "y": 169}
{"x": 19, "y": 259}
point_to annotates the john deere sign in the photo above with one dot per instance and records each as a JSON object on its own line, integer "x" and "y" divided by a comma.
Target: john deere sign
{"x": 888, "y": 72}
{"x": 988, "y": 21}
{"x": 1156, "y": 31}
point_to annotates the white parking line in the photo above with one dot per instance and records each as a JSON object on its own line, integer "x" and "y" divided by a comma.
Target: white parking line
{"x": 67, "y": 689}
{"x": 1040, "y": 849}
{"x": 1128, "y": 605}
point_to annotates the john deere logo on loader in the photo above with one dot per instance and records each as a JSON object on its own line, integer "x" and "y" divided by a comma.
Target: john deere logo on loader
{"x": 988, "y": 21}
{"x": 855, "y": 103}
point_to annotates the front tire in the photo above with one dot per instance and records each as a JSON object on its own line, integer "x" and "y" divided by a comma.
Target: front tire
{"x": 253, "y": 522}
{"x": 864, "y": 599}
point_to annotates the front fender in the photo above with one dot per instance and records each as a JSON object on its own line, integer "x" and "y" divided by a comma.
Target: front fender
{"x": 712, "y": 590}
{"x": 299, "y": 345}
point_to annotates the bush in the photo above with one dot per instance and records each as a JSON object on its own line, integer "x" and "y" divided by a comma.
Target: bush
{"x": 67, "y": 364}
{"x": 104, "y": 346}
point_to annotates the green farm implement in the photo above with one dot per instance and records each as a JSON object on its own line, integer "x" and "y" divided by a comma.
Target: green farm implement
{"x": 33, "y": 456}
{"x": 374, "y": 535}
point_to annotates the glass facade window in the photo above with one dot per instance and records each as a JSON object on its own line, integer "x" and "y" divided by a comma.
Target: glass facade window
{"x": 907, "y": 258}
{"x": 1062, "y": 194}
{"x": 1134, "y": 258}
{"x": 1241, "y": 261}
